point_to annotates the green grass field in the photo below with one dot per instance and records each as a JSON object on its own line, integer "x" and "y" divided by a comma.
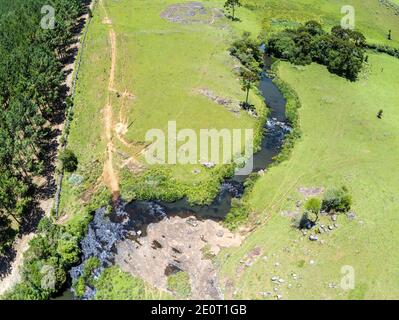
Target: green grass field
{"x": 161, "y": 64}
{"x": 371, "y": 18}
{"x": 343, "y": 143}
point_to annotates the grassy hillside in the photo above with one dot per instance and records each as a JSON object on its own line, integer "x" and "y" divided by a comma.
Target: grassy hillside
{"x": 343, "y": 143}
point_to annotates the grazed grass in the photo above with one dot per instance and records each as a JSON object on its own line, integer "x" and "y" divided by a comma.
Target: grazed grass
{"x": 371, "y": 18}
{"x": 343, "y": 143}
{"x": 161, "y": 64}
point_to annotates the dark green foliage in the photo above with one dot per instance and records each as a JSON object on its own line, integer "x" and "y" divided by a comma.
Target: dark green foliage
{"x": 87, "y": 278}
{"x": 248, "y": 52}
{"x": 231, "y": 5}
{"x": 6, "y": 234}
{"x": 50, "y": 253}
{"x": 69, "y": 160}
{"x": 342, "y": 51}
{"x": 31, "y": 79}
{"x": 337, "y": 200}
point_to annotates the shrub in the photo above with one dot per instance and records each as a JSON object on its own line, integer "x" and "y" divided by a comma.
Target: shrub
{"x": 337, "y": 200}
{"x": 114, "y": 284}
{"x": 69, "y": 160}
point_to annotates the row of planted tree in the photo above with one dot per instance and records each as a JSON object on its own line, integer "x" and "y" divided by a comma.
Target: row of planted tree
{"x": 32, "y": 98}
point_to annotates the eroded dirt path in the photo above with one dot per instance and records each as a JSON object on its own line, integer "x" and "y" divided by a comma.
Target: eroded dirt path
{"x": 110, "y": 174}
{"x": 20, "y": 247}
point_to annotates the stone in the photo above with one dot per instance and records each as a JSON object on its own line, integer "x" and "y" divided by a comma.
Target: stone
{"x": 313, "y": 237}
{"x": 351, "y": 215}
{"x": 274, "y": 278}
{"x": 220, "y": 233}
{"x": 208, "y": 165}
{"x": 298, "y": 204}
{"x": 279, "y": 297}
{"x": 334, "y": 217}
{"x": 311, "y": 262}
{"x": 281, "y": 280}
{"x": 277, "y": 264}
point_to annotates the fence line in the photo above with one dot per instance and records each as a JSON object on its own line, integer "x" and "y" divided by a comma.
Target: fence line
{"x": 64, "y": 140}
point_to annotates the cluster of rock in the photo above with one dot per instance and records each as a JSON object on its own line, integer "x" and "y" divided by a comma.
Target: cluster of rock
{"x": 232, "y": 105}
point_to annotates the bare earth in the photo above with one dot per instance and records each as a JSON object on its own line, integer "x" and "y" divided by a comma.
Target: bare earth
{"x": 21, "y": 245}
{"x": 179, "y": 242}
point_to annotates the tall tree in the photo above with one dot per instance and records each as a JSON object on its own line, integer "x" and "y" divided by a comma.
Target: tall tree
{"x": 231, "y": 5}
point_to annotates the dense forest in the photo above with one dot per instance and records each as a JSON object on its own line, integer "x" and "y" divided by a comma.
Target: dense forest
{"x": 32, "y": 96}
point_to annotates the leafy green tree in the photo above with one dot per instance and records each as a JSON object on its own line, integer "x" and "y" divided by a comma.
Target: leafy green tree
{"x": 231, "y": 6}
{"x": 313, "y": 207}
{"x": 7, "y": 233}
{"x": 69, "y": 160}
{"x": 249, "y": 79}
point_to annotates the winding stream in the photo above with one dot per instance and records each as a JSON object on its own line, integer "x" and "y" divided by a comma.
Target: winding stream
{"x": 131, "y": 219}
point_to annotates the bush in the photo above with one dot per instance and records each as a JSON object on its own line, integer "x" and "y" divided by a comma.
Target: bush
{"x": 313, "y": 205}
{"x": 337, "y": 200}
{"x": 114, "y": 284}
{"x": 179, "y": 283}
{"x": 342, "y": 51}
{"x": 69, "y": 160}
{"x": 50, "y": 254}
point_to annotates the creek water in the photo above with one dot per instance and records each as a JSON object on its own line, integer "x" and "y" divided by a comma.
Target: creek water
{"x": 129, "y": 220}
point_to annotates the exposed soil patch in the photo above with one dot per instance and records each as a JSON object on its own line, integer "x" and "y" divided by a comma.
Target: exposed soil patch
{"x": 176, "y": 244}
{"x": 191, "y": 12}
{"x": 8, "y": 281}
{"x": 311, "y": 192}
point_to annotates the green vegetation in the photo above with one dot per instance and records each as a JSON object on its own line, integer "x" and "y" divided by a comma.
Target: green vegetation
{"x": 171, "y": 63}
{"x": 50, "y": 254}
{"x": 230, "y": 6}
{"x": 337, "y": 200}
{"x": 87, "y": 278}
{"x": 342, "y": 142}
{"x": 69, "y": 160}
{"x": 342, "y": 51}
{"x": 31, "y": 79}
{"x": 114, "y": 284}
{"x": 179, "y": 284}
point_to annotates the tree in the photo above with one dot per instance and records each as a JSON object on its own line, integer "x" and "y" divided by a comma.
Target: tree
{"x": 69, "y": 160}
{"x": 249, "y": 78}
{"x": 6, "y": 233}
{"x": 313, "y": 206}
{"x": 337, "y": 200}
{"x": 231, "y": 5}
